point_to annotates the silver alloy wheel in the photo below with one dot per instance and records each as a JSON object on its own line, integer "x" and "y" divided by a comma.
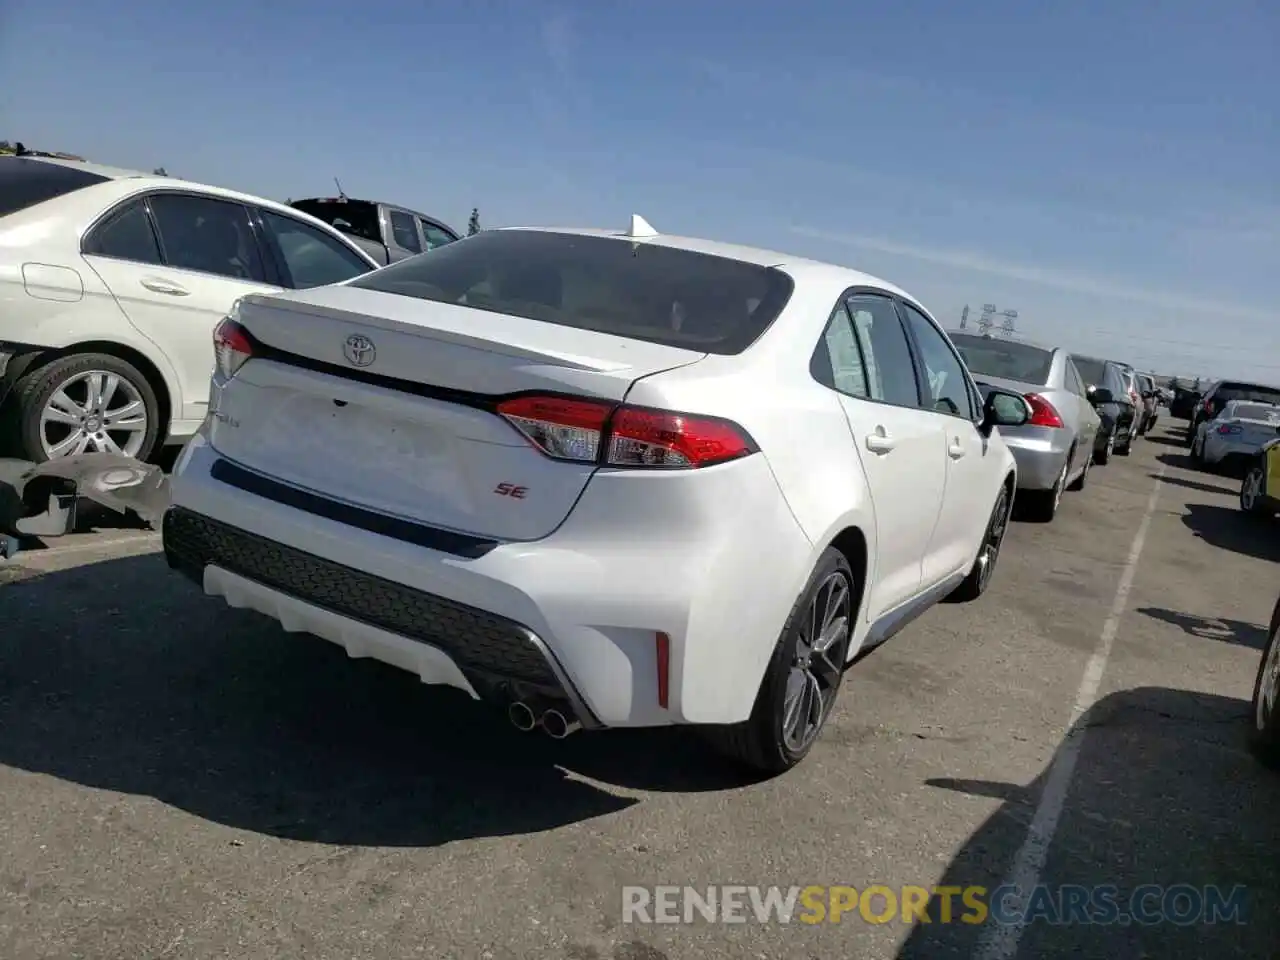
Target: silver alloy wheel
{"x": 1060, "y": 484}
{"x": 1251, "y": 489}
{"x": 990, "y": 551}
{"x": 93, "y": 412}
{"x": 1111, "y": 443}
{"x": 815, "y": 674}
{"x": 1268, "y": 685}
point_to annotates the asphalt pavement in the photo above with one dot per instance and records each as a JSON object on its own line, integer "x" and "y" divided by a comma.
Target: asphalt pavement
{"x": 184, "y": 780}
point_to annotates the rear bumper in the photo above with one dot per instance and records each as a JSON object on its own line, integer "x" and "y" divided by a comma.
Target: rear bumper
{"x": 1040, "y": 453}
{"x": 1218, "y": 450}
{"x": 571, "y": 617}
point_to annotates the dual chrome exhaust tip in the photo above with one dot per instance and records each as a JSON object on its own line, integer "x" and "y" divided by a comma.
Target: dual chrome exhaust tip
{"x": 554, "y": 723}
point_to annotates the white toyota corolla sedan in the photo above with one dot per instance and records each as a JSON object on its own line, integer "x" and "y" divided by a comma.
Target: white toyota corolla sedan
{"x": 599, "y": 479}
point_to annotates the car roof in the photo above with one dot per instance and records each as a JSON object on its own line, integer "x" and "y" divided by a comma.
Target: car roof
{"x": 755, "y": 255}
{"x": 376, "y": 203}
{"x": 110, "y": 173}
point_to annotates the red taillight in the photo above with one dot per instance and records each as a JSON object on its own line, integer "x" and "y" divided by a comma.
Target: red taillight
{"x": 591, "y": 431}
{"x": 232, "y": 347}
{"x": 662, "y": 644}
{"x": 1043, "y": 413}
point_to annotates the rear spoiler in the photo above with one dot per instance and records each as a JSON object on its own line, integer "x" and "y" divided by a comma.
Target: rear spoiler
{"x": 39, "y": 500}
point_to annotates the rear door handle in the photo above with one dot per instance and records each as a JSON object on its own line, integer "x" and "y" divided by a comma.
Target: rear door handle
{"x": 879, "y": 442}
{"x": 157, "y": 285}
{"x": 956, "y": 450}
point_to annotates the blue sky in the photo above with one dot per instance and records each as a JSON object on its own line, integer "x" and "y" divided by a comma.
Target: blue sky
{"x": 1107, "y": 169}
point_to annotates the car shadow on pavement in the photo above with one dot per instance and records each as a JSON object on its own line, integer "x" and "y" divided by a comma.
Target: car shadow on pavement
{"x": 1171, "y": 439}
{"x": 1212, "y": 628}
{"x": 1163, "y": 792}
{"x": 1231, "y": 529}
{"x": 120, "y": 676}
{"x": 1181, "y": 461}
{"x": 1229, "y": 488}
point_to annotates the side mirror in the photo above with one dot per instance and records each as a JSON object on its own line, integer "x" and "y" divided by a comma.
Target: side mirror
{"x": 1004, "y": 408}
{"x": 1100, "y": 395}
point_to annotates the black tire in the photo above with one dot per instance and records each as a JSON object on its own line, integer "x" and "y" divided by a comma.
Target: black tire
{"x": 760, "y": 743}
{"x": 1103, "y": 457}
{"x": 1079, "y": 482}
{"x": 979, "y": 577}
{"x": 1264, "y": 724}
{"x": 34, "y": 390}
{"x": 1041, "y": 506}
{"x": 1125, "y": 448}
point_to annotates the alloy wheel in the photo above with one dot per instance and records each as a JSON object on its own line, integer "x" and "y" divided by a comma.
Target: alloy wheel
{"x": 93, "y": 412}
{"x": 1268, "y": 686}
{"x": 995, "y": 537}
{"x": 1251, "y": 489}
{"x": 817, "y": 664}
{"x": 1059, "y": 485}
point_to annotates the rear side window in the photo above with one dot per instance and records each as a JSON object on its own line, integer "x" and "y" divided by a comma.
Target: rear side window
{"x": 644, "y": 291}
{"x": 403, "y": 232}
{"x": 311, "y": 258}
{"x": 436, "y": 237}
{"x": 126, "y": 235}
{"x": 355, "y": 218}
{"x": 24, "y": 182}
{"x": 1005, "y": 359}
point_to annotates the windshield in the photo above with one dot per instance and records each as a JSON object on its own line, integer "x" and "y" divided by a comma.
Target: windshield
{"x": 608, "y": 285}
{"x": 25, "y": 182}
{"x": 356, "y": 218}
{"x": 988, "y": 357}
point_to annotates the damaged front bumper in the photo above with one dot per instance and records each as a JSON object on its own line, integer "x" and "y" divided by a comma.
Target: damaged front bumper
{"x": 39, "y": 499}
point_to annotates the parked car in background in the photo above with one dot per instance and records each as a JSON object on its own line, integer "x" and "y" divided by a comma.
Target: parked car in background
{"x": 1132, "y": 391}
{"x": 520, "y": 466}
{"x": 1185, "y": 398}
{"x": 386, "y": 232}
{"x": 1264, "y": 731}
{"x": 1222, "y": 392}
{"x": 1235, "y": 434}
{"x": 1260, "y": 488}
{"x": 1150, "y": 395}
{"x": 112, "y": 282}
{"x": 1055, "y": 447}
{"x": 1107, "y": 389}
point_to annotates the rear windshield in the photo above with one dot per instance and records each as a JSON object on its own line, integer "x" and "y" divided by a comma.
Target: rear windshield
{"x": 1245, "y": 391}
{"x": 608, "y": 285}
{"x": 1092, "y": 372}
{"x": 24, "y": 182}
{"x": 1255, "y": 411}
{"x": 988, "y": 357}
{"x": 356, "y": 218}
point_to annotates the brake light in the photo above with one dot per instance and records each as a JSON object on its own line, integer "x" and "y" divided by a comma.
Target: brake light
{"x": 232, "y": 347}
{"x": 1230, "y": 428}
{"x": 1043, "y": 413}
{"x": 592, "y": 431}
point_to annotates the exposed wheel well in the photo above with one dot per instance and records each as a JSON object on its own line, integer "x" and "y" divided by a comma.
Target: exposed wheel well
{"x": 137, "y": 359}
{"x": 852, "y": 544}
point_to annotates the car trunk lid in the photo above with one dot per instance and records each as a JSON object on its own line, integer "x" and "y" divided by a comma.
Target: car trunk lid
{"x": 388, "y": 402}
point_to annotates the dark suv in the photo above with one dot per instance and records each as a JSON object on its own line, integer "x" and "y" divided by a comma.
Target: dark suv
{"x": 1221, "y": 393}
{"x": 1107, "y": 387}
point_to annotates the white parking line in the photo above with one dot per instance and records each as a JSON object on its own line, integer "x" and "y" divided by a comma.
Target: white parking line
{"x": 1001, "y": 942}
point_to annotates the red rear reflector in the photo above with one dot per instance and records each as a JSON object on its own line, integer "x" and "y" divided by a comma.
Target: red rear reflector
{"x": 570, "y": 428}
{"x": 232, "y": 347}
{"x": 1043, "y": 413}
{"x": 662, "y": 644}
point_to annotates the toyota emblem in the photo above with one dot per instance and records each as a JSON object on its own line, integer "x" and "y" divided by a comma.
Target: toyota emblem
{"x": 359, "y": 350}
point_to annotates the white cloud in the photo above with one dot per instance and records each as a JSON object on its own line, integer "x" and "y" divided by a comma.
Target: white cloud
{"x": 1053, "y": 277}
